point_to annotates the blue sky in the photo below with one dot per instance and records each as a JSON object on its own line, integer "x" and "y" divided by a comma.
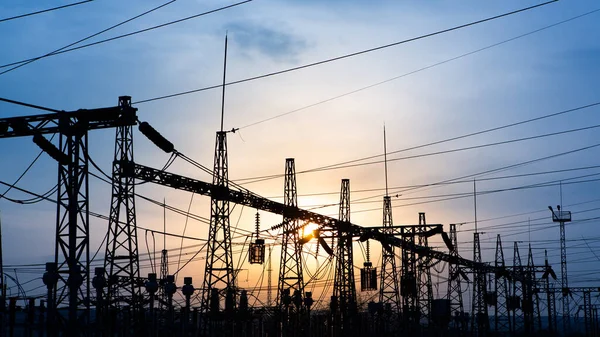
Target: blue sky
{"x": 543, "y": 73}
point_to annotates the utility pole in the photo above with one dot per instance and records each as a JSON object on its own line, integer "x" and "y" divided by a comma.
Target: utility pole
{"x": 121, "y": 259}
{"x": 344, "y": 287}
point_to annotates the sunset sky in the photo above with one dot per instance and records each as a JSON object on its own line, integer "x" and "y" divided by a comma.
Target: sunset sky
{"x": 512, "y": 69}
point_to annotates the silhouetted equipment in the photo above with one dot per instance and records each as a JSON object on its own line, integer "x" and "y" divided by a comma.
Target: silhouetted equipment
{"x": 425, "y": 287}
{"x": 156, "y": 138}
{"x": 72, "y": 228}
{"x": 368, "y": 277}
{"x": 256, "y": 254}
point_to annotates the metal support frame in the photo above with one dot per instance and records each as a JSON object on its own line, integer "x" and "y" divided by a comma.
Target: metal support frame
{"x": 425, "y": 295}
{"x": 389, "y": 294}
{"x": 72, "y": 252}
{"x": 290, "y": 264}
{"x": 121, "y": 260}
{"x": 219, "y": 270}
{"x": 550, "y": 297}
{"x": 518, "y": 319}
{"x": 564, "y": 281}
{"x": 455, "y": 288}
{"x": 502, "y": 321}
{"x": 479, "y": 321}
{"x": 344, "y": 287}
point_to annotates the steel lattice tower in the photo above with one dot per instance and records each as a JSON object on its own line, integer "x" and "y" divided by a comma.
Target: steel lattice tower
{"x": 409, "y": 283}
{"x": 502, "y": 320}
{"x": 588, "y": 316}
{"x": 72, "y": 227}
{"x": 121, "y": 260}
{"x": 290, "y": 268}
{"x": 425, "y": 295}
{"x": 219, "y": 273}
{"x": 517, "y": 292}
{"x": 388, "y": 290}
{"x": 550, "y": 297}
{"x": 454, "y": 285}
{"x": 480, "y": 321}
{"x": 533, "y": 307}
{"x": 344, "y": 287}
{"x": 564, "y": 282}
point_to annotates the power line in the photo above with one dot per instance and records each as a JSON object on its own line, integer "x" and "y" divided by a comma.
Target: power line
{"x": 129, "y": 34}
{"x": 337, "y": 58}
{"x": 85, "y": 38}
{"x": 350, "y": 162}
{"x": 418, "y": 70}
{"x": 449, "y": 183}
{"x": 28, "y": 105}
{"x": 45, "y": 10}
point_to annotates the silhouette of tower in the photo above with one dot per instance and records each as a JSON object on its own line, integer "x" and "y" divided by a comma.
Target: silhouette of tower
{"x": 454, "y": 286}
{"x": 218, "y": 273}
{"x": 290, "y": 268}
{"x": 425, "y": 296}
{"x": 502, "y": 319}
{"x": 344, "y": 287}
{"x": 121, "y": 260}
{"x": 480, "y": 321}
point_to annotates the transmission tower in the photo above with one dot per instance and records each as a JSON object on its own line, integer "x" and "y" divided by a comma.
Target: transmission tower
{"x": 517, "y": 293}
{"x": 562, "y": 217}
{"x": 502, "y": 315}
{"x": 269, "y": 289}
{"x": 454, "y": 286}
{"x": 425, "y": 296}
{"x": 550, "y": 297}
{"x": 121, "y": 260}
{"x": 533, "y": 307}
{"x": 218, "y": 273}
{"x": 344, "y": 287}
{"x": 290, "y": 268}
{"x": 479, "y": 322}
{"x": 388, "y": 289}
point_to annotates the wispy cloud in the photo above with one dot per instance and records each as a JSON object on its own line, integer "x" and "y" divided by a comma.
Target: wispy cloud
{"x": 278, "y": 44}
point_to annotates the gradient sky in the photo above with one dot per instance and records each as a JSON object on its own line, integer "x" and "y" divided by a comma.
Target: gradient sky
{"x": 546, "y": 72}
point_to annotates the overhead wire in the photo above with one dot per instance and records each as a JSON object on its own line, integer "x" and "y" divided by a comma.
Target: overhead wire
{"x": 419, "y": 69}
{"x": 54, "y": 52}
{"x": 66, "y": 50}
{"x": 349, "y": 162}
{"x": 44, "y": 10}
{"x": 341, "y": 57}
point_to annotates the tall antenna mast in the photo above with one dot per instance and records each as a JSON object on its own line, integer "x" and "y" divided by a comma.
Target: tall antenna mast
{"x": 475, "y": 203}
{"x": 385, "y": 160}
{"x": 164, "y": 223}
{"x": 224, "y": 74}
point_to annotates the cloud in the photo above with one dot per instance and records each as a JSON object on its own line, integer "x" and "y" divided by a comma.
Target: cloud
{"x": 279, "y": 45}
